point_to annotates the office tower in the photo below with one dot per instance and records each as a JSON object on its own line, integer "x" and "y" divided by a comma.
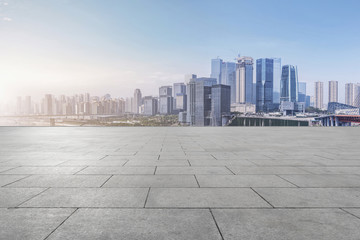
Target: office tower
{"x": 179, "y": 96}
{"x": 48, "y": 104}
{"x": 87, "y": 97}
{"x": 216, "y": 69}
{"x": 352, "y": 94}
{"x": 128, "y": 106}
{"x": 307, "y": 101}
{"x": 319, "y": 95}
{"x": 137, "y": 100}
{"x": 198, "y": 92}
{"x": 188, "y": 77}
{"x": 289, "y": 84}
{"x": 276, "y": 80}
{"x": 165, "y": 100}
{"x": 228, "y": 77}
{"x": 220, "y": 104}
{"x": 254, "y": 94}
{"x": 28, "y": 105}
{"x": 265, "y": 69}
{"x": 333, "y": 91}
{"x": 302, "y": 92}
{"x": 150, "y": 106}
{"x": 244, "y": 80}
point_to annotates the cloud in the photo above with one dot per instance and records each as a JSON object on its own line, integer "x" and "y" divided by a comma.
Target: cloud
{"x": 7, "y": 19}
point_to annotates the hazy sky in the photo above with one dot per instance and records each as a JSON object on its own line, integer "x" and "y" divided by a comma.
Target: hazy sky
{"x": 76, "y": 46}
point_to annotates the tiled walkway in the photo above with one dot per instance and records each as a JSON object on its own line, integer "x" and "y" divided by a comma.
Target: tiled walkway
{"x": 180, "y": 183}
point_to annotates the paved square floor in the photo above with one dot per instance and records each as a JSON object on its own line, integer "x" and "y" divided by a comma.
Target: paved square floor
{"x": 179, "y": 183}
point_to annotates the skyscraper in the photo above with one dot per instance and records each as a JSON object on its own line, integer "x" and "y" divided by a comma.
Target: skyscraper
{"x": 150, "y": 106}
{"x": 302, "y": 92}
{"x": 264, "y": 84}
{"x": 137, "y": 100}
{"x": 228, "y": 77}
{"x": 216, "y": 69}
{"x": 48, "y": 104}
{"x": 199, "y": 101}
{"x": 276, "y": 80}
{"x": 244, "y": 80}
{"x": 220, "y": 104}
{"x": 179, "y": 96}
{"x": 333, "y": 91}
{"x": 319, "y": 95}
{"x": 165, "y": 100}
{"x": 352, "y": 94}
{"x": 289, "y": 84}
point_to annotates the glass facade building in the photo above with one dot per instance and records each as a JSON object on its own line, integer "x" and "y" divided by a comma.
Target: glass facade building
{"x": 216, "y": 69}
{"x": 220, "y": 104}
{"x": 199, "y": 101}
{"x": 289, "y": 84}
{"x": 228, "y": 77}
{"x": 165, "y": 100}
{"x": 276, "y": 80}
{"x": 244, "y": 80}
{"x": 264, "y": 84}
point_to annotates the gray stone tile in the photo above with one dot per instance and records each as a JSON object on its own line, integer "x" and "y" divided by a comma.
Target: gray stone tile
{"x": 7, "y": 179}
{"x": 284, "y": 224}
{"x": 173, "y": 181}
{"x": 242, "y": 181}
{"x": 44, "y": 170}
{"x": 89, "y": 197}
{"x": 284, "y": 162}
{"x": 339, "y": 163}
{"x": 61, "y": 181}
{"x": 332, "y": 170}
{"x": 4, "y": 169}
{"x": 326, "y": 180}
{"x": 151, "y": 163}
{"x": 134, "y": 224}
{"x": 192, "y": 170}
{"x": 118, "y": 170}
{"x": 115, "y": 163}
{"x": 311, "y": 197}
{"x": 30, "y": 224}
{"x": 204, "y": 198}
{"x": 33, "y": 162}
{"x": 354, "y": 211}
{"x": 266, "y": 170}
{"x": 12, "y": 197}
{"x": 221, "y": 163}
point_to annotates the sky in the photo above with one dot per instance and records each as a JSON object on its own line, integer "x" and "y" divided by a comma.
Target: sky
{"x": 77, "y": 46}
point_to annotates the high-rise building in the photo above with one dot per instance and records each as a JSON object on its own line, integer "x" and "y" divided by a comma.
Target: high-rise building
{"x": 244, "y": 80}
{"x": 48, "y": 104}
{"x": 188, "y": 77}
{"x": 289, "y": 84}
{"x": 265, "y": 84}
{"x": 220, "y": 104}
{"x": 165, "y": 100}
{"x": 179, "y": 96}
{"x": 150, "y": 106}
{"x": 216, "y": 69}
{"x": 228, "y": 77}
{"x": 302, "y": 92}
{"x": 319, "y": 95}
{"x": 333, "y": 91}
{"x": 276, "y": 80}
{"x": 28, "y": 105}
{"x": 198, "y": 92}
{"x": 137, "y": 100}
{"x": 352, "y": 94}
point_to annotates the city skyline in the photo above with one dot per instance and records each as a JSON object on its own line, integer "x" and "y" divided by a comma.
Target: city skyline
{"x": 85, "y": 52}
